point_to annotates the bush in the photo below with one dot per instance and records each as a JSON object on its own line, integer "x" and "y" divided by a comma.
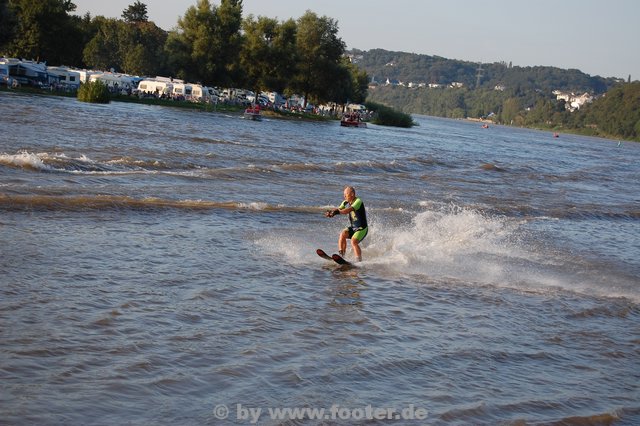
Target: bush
{"x": 95, "y": 92}
{"x": 386, "y": 116}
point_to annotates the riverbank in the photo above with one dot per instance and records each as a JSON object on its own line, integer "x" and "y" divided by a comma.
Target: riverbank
{"x": 171, "y": 103}
{"x": 555, "y": 130}
{"x": 279, "y": 114}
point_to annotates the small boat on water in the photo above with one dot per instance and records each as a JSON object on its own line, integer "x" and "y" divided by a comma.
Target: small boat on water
{"x": 352, "y": 120}
{"x": 253, "y": 113}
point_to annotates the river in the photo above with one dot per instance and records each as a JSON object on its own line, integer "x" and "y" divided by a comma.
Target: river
{"x": 158, "y": 266}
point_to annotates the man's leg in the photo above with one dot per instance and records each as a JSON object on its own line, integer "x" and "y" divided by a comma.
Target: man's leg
{"x": 356, "y": 238}
{"x": 342, "y": 242}
{"x": 356, "y": 248}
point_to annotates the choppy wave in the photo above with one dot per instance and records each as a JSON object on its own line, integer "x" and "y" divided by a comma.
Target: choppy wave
{"x": 90, "y": 202}
{"x": 59, "y": 162}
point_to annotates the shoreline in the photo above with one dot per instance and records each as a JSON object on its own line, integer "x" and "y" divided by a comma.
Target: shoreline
{"x": 555, "y": 130}
{"x": 170, "y": 103}
{"x": 230, "y": 108}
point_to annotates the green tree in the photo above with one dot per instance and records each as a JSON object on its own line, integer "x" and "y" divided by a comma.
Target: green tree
{"x": 350, "y": 84}
{"x": 206, "y": 43}
{"x": 359, "y": 83}
{"x": 103, "y": 50}
{"x": 617, "y": 113}
{"x": 286, "y": 54}
{"x": 320, "y": 51}
{"x": 142, "y": 48}
{"x": 510, "y": 109}
{"x": 268, "y": 53}
{"x": 229, "y": 41}
{"x": 44, "y": 30}
{"x": 341, "y": 89}
{"x": 8, "y": 23}
{"x": 191, "y": 49}
{"x": 134, "y": 48}
{"x": 137, "y": 12}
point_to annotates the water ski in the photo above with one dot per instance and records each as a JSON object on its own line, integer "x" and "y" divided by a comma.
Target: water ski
{"x": 340, "y": 260}
{"x": 323, "y": 255}
{"x": 336, "y": 257}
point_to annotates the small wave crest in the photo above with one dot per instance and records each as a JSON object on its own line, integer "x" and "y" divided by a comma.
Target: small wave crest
{"x": 58, "y": 162}
{"x": 24, "y": 160}
{"x": 99, "y": 202}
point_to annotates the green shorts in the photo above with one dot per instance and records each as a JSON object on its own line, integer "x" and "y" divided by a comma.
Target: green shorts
{"x": 358, "y": 234}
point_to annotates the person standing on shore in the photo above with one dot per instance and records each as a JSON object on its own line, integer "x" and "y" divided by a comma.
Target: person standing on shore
{"x": 358, "y": 227}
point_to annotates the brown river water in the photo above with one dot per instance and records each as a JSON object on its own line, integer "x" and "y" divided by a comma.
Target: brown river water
{"x": 158, "y": 266}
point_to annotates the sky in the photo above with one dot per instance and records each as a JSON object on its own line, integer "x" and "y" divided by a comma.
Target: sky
{"x": 597, "y": 37}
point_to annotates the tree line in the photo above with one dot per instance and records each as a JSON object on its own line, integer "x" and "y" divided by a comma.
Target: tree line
{"x": 615, "y": 114}
{"x": 418, "y": 68}
{"x": 525, "y": 97}
{"x": 211, "y": 44}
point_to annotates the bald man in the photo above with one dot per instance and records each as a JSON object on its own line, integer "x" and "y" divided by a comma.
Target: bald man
{"x": 358, "y": 228}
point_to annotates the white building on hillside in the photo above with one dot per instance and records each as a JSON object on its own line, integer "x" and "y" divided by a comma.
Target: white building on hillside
{"x": 572, "y": 101}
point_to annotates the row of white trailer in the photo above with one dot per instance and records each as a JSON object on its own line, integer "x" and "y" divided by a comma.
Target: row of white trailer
{"x": 34, "y": 73}
{"x": 39, "y": 74}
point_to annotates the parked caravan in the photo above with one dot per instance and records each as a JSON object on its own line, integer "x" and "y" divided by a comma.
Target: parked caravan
{"x": 85, "y": 75}
{"x": 4, "y": 73}
{"x": 64, "y": 76}
{"x": 114, "y": 81}
{"x": 213, "y": 94}
{"x": 28, "y": 73}
{"x": 157, "y": 88}
{"x": 276, "y": 98}
{"x": 201, "y": 93}
{"x": 182, "y": 91}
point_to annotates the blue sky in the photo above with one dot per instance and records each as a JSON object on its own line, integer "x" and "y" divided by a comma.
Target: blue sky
{"x": 594, "y": 36}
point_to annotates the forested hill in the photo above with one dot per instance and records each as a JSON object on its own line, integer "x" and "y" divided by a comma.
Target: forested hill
{"x": 407, "y": 68}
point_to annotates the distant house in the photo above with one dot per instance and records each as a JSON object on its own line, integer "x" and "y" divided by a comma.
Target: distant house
{"x": 456, "y": 85}
{"x": 499, "y": 87}
{"x": 354, "y": 59}
{"x": 572, "y": 101}
{"x": 392, "y": 82}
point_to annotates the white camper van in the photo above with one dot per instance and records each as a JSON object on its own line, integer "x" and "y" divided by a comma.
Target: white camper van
{"x": 114, "y": 81}
{"x": 201, "y": 93}
{"x": 158, "y": 88}
{"x": 64, "y": 76}
{"x": 182, "y": 91}
{"x": 4, "y": 73}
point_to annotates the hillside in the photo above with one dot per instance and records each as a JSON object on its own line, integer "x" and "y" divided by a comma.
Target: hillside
{"x": 415, "y": 68}
{"x": 522, "y": 96}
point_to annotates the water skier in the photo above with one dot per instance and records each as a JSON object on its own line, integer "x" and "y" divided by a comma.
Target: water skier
{"x": 358, "y": 228}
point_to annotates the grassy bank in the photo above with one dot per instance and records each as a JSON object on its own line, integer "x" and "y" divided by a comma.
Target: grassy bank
{"x": 387, "y": 116}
